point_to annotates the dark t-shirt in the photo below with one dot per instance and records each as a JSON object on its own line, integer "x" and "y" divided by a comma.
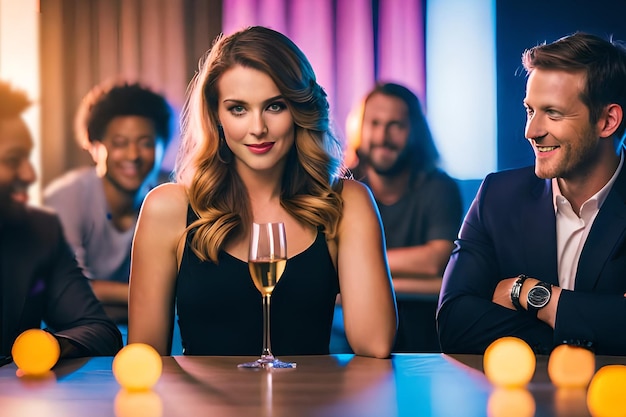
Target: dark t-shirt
{"x": 430, "y": 209}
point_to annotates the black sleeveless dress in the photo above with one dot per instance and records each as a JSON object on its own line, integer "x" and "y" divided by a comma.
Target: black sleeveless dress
{"x": 220, "y": 309}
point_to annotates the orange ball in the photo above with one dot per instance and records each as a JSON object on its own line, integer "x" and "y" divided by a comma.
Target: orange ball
{"x": 35, "y": 352}
{"x": 571, "y": 366}
{"x": 509, "y": 362}
{"x": 137, "y": 367}
{"x": 606, "y": 395}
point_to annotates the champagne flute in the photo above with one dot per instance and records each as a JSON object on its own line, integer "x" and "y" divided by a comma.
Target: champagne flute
{"x": 267, "y": 259}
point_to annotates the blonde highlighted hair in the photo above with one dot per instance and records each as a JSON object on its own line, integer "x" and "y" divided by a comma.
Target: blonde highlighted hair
{"x": 311, "y": 182}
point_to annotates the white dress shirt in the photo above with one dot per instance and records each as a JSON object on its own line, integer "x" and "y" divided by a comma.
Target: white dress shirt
{"x": 572, "y": 229}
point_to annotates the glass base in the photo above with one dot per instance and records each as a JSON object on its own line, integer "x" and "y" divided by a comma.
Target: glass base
{"x": 267, "y": 362}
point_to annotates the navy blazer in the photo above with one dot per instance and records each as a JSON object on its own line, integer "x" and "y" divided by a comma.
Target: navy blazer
{"x": 40, "y": 280}
{"x": 510, "y": 229}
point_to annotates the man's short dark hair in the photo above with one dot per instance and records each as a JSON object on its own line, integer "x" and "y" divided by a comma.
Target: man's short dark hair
{"x": 103, "y": 103}
{"x": 603, "y": 62}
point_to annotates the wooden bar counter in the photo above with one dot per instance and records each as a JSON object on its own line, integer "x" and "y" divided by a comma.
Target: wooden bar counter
{"x": 334, "y": 385}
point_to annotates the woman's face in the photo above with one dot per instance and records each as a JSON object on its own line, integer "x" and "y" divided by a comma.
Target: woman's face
{"x": 258, "y": 125}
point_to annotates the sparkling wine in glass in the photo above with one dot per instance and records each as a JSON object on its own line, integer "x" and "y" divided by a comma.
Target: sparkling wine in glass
{"x": 267, "y": 259}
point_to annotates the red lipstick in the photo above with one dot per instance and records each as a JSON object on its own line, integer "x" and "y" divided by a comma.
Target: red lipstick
{"x": 261, "y": 148}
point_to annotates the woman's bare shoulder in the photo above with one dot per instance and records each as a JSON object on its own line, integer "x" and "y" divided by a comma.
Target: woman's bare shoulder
{"x": 359, "y": 206}
{"x": 355, "y": 190}
{"x": 166, "y": 200}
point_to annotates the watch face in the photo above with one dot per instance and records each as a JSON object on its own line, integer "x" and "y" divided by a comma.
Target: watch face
{"x": 538, "y": 296}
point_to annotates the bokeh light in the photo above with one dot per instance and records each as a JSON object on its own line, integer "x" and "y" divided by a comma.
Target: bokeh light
{"x": 571, "y": 366}
{"x": 511, "y": 402}
{"x": 570, "y": 402}
{"x": 606, "y": 395}
{"x": 509, "y": 362}
{"x": 138, "y": 403}
{"x": 137, "y": 367}
{"x": 35, "y": 352}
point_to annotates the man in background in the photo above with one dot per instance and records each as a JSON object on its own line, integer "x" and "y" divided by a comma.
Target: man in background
{"x": 126, "y": 128}
{"x": 420, "y": 205}
{"x": 39, "y": 277}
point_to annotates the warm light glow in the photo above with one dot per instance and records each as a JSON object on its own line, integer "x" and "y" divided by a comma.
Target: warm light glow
{"x": 35, "y": 352}
{"x": 137, "y": 367}
{"x": 509, "y": 362}
{"x": 353, "y": 134}
{"x": 19, "y": 65}
{"x": 511, "y": 402}
{"x": 571, "y": 366}
{"x": 606, "y": 395}
{"x": 132, "y": 404}
{"x": 12, "y": 405}
{"x": 570, "y": 401}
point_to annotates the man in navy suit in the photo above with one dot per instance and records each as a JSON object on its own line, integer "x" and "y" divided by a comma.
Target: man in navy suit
{"x": 541, "y": 254}
{"x": 39, "y": 276}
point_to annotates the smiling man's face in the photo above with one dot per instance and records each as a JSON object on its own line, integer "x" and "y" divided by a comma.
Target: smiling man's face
{"x": 558, "y": 126}
{"x": 385, "y": 134}
{"x": 16, "y": 170}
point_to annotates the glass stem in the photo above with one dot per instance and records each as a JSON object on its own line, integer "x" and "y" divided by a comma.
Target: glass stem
{"x": 267, "y": 346}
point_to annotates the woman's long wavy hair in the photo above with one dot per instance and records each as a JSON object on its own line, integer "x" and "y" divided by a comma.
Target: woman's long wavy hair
{"x": 311, "y": 182}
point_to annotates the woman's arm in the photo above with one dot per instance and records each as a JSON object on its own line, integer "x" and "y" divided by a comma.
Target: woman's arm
{"x": 154, "y": 267}
{"x": 367, "y": 296}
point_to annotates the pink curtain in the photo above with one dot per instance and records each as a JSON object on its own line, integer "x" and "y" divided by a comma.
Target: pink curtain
{"x": 401, "y": 44}
{"x": 339, "y": 38}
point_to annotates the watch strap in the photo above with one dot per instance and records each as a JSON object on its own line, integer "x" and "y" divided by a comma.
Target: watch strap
{"x": 516, "y": 290}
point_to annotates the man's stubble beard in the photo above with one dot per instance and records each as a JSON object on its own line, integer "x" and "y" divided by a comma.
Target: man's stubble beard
{"x": 402, "y": 163}
{"x": 10, "y": 211}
